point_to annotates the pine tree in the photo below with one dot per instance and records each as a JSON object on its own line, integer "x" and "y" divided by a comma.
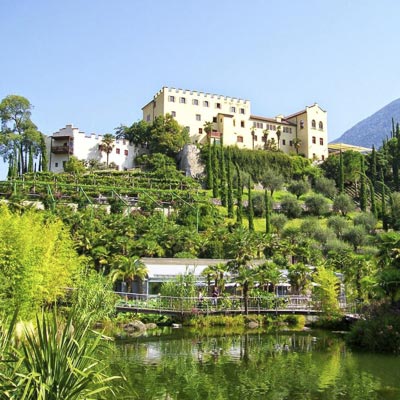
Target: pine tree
{"x": 341, "y": 173}
{"x": 230, "y": 185}
{"x": 239, "y": 206}
{"x": 250, "y": 207}
{"x": 363, "y": 187}
{"x": 267, "y": 213}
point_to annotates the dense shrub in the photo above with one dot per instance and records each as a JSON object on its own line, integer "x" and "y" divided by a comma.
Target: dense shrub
{"x": 380, "y": 332}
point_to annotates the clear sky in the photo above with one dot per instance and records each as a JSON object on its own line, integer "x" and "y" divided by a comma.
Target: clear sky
{"x": 96, "y": 63}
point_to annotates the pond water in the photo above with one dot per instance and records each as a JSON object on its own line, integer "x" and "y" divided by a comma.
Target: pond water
{"x": 183, "y": 365}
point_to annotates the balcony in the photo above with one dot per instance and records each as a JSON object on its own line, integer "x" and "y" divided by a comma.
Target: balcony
{"x": 62, "y": 149}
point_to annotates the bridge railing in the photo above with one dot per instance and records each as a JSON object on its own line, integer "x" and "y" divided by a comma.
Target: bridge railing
{"x": 207, "y": 304}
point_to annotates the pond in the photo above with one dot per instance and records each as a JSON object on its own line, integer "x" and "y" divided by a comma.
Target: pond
{"x": 182, "y": 364}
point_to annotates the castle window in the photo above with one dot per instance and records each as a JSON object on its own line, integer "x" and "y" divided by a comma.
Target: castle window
{"x": 313, "y": 124}
{"x": 56, "y": 164}
{"x": 218, "y": 105}
{"x": 242, "y": 124}
{"x": 198, "y": 117}
{"x": 321, "y": 141}
{"x": 239, "y": 139}
{"x": 173, "y": 114}
{"x": 214, "y": 119}
{"x": 126, "y": 152}
{"x": 148, "y": 118}
{"x": 200, "y": 130}
{"x": 322, "y": 158}
{"x": 117, "y": 151}
{"x": 233, "y": 109}
{"x": 171, "y": 99}
{"x": 284, "y": 142}
{"x": 195, "y": 102}
{"x": 242, "y": 111}
{"x": 301, "y": 124}
{"x": 182, "y": 100}
{"x": 291, "y": 143}
{"x": 205, "y": 103}
{"x": 320, "y": 125}
{"x": 314, "y": 140}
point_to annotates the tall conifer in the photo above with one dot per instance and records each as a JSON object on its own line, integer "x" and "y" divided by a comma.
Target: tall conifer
{"x": 267, "y": 213}
{"x": 230, "y": 185}
{"x": 223, "y": 189}
{"x": 250, "y": 207}
{"x": 215, "y": 166}
{"x": 341, "y": 173}
{"x": 239, "y": 206}
{"x": 363, "y": 186}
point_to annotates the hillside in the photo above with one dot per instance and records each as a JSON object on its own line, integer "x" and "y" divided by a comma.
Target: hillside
{"x": 374, "y": 129}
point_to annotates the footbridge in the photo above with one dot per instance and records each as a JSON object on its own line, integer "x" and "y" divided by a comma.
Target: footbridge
{"x": 233, "y": 305}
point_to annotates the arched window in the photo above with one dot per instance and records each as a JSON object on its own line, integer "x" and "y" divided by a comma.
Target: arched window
{"x": 320, "y": 125}
{"x": 313, "y": 124}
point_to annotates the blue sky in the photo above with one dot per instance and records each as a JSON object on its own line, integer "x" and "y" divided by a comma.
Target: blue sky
{"x": 95, "y": 63}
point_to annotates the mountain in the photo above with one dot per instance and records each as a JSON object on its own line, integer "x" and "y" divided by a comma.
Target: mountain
{"x": 374, "y": 129}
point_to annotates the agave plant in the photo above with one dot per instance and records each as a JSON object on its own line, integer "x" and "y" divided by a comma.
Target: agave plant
{"x": 57, "y": 361}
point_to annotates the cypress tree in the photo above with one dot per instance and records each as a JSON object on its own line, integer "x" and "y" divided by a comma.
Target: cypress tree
{"x": 373, "y": 167}
{"x": 267, "y": 213}
{"x": 223, "y": 189}
{"x": 373, "y": 202}
{"x": 215, "y": 167}
{"x": 341, "y": 173}
{"x": 209, "y": 169}
{"x": 239, "y": 206}
{"x": 230, "y": 185}
{"x": 44, "y": 164}
{"x": 363, "y": 187}
{"x": 383, "y": 204}
{"x": 250, "y": 208}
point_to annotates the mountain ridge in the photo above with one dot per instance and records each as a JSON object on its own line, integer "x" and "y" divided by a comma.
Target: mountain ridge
{"x": 373, "y": 129}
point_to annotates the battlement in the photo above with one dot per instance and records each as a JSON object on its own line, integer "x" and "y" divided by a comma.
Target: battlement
{"x": 205, "y": 95}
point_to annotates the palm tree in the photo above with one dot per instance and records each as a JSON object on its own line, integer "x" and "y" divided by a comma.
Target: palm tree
{"x": 252, "y": 137}
{"x": 265, "y": 137}
{"x": 107, "y": 144}
{"x": 208, "y": 126}
{"x": 127, "y": 269}
{"x": 243, "y": 252}
{"x": 297, "y": 144}
{"x": 278, "y": 136}
{"x": 217, "y": 273}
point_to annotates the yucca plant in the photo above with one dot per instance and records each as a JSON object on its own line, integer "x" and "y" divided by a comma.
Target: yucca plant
{"x": 59, "y": 361}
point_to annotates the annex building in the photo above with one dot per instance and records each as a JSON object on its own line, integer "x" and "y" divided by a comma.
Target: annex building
{"x": 70, "y": 141}
{"x": 304, "y": 132}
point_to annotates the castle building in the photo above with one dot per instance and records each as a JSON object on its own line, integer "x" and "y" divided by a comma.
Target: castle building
{"x": 304, "y": 132}
{"x": 70, "y": 141}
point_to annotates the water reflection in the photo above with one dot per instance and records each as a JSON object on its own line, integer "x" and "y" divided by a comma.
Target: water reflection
{"x": 253, "y": 366}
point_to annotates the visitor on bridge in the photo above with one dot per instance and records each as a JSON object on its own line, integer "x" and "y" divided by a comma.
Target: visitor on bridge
{"x": 215, "y": 295}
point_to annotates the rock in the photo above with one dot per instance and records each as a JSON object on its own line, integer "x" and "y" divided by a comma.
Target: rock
{"x": 151, "y": 326}
{"x": 135, "y": 326}
{"x": 252, "y": 325}
{"x": 190, "y": 161}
